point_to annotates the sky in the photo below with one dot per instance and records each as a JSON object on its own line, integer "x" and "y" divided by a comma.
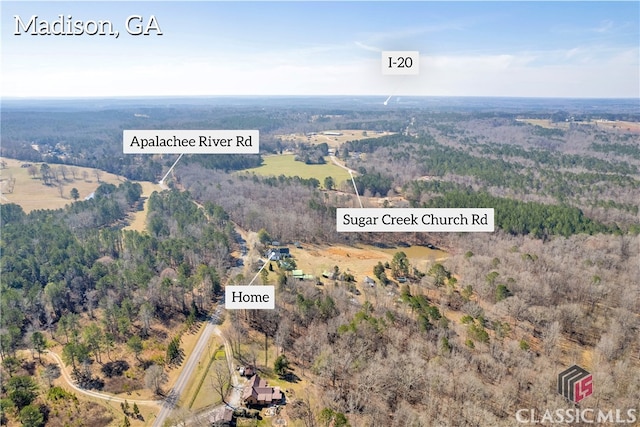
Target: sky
{"x": 576, "y": 49}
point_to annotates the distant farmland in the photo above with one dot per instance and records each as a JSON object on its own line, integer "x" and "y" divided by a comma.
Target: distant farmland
{"x": 633, "y": 127}
{"x": 30, "y": 192}
{"x": 286, "y": 165}
{"x": 335, "y": 137}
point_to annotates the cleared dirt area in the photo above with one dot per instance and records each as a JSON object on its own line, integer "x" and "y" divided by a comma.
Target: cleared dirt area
{"x": 333, "y": 137}
{"x": 30, "y": 192}
{"x": 358, "y": 260}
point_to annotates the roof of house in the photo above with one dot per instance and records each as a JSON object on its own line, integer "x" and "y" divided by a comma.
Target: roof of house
{"x": 258, "y": 388}
{"x": 281, "y": 251}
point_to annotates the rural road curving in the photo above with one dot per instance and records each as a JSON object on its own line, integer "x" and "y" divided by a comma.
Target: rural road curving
{"x": 169, "y": 403}
{"x": 104, "y": 396}
{"x": 337, "y": 163}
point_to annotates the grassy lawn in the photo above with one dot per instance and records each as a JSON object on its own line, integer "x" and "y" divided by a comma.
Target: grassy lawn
{"x": 201, "y": 392}
{"x": 286, "y": 165}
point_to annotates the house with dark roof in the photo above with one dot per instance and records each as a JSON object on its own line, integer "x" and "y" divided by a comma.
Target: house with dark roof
{"x": 257, "y": 392}
{"x": 276, "y": 254}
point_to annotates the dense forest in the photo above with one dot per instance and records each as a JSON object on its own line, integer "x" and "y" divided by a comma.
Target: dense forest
{"x": 477, "y": 338}
{"x": 95, "y": 288}
{"x": 505, "y": 158}
{"x": 464, "y": 340}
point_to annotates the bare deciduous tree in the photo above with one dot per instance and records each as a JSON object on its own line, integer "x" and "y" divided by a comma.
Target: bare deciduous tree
{"x": 221, "y": 379}
{"x": 62, "y": 169}
{"x": 155, "y": 377}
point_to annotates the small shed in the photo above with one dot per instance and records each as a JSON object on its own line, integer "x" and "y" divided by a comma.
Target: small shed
{"x": 247, "y": 371}
{"x": 221, "y": 417}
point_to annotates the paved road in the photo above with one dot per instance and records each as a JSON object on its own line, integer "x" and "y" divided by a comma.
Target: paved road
{"x": 96, "y": 394}
{"x": 187, "y": 370}
{"x": 235, "y": 395}
{"x": 170, "y": 402}
{"x": 173, "y": 397}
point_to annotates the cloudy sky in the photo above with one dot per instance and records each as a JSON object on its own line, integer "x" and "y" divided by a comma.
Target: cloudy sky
{"x": 208, "y": 48}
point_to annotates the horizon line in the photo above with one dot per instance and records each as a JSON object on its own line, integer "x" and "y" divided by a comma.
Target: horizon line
{"x": 131, "y": 97}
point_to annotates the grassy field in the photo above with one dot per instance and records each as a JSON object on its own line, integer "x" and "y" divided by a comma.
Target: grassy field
{"x": 620, "y": 125}
{"x": 633, "y": 127}
{"x": 286, "y": 165}
{"x": 200, "y": 393}
{"x": 138, "y": 219}
{"x": 545, "y": 123}
{"x": 30, "y": 192}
